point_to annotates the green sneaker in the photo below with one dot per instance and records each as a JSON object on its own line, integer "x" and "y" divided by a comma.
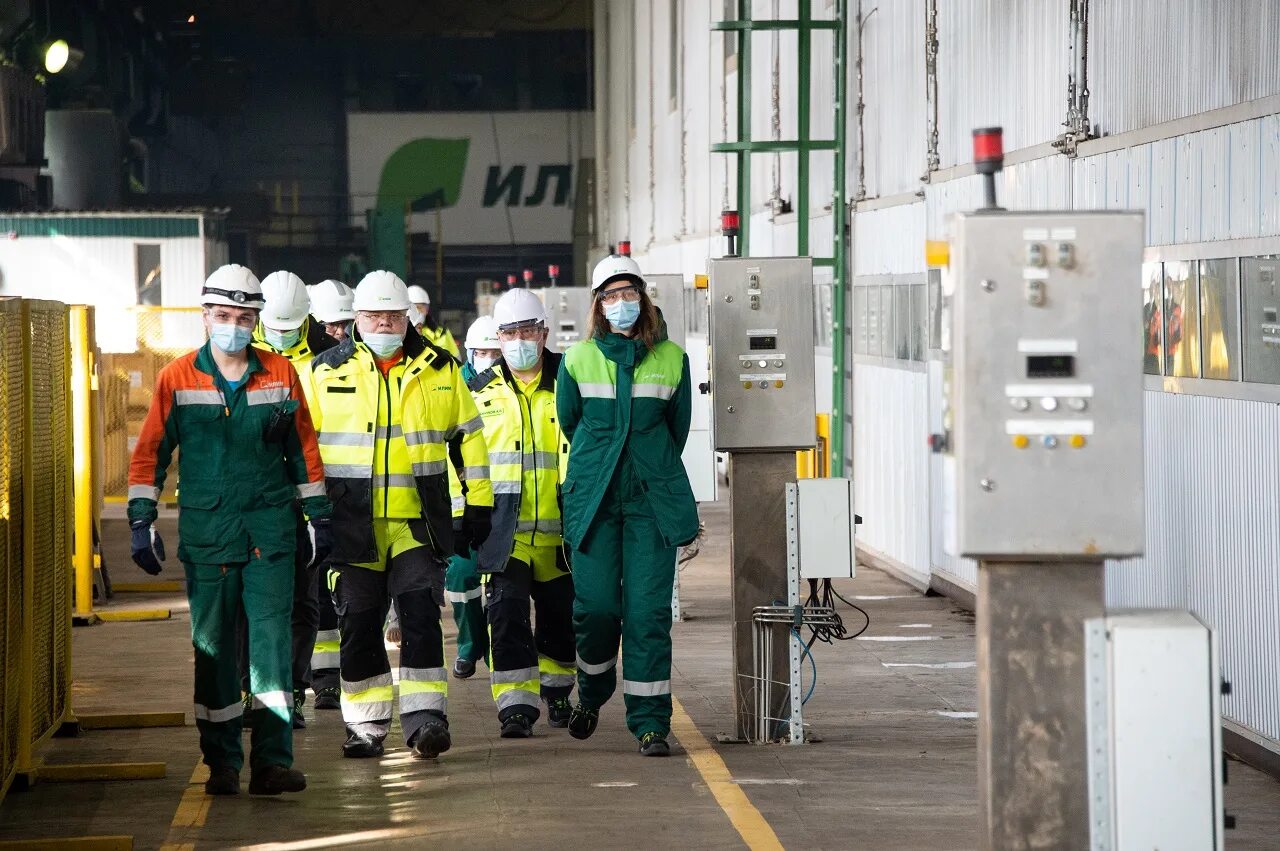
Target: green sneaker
{"x": 654, "y": 744}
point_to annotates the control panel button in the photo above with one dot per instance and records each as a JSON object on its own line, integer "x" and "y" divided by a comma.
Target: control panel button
{"x": 1019, "y": 404}
{"x": 1077, "y": 404}
{"x": 1049, "y": 441}
{"x": 778, "y": 383}
{"x": 764, "y": 385}
{"x": 1049, "y": 403}
{"x": 746, "y": 385}
{"x": 763, "y": 364}
{"x": 1066, "y": 255}
{"x": 1077, "y": 441}
{"x": 777, "y": 364}
{"x": 1035, "y": 254}
{"x": 1020, "y": 441}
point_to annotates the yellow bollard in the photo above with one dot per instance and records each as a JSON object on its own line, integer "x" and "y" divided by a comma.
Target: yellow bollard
{"x": 82, "y": 459}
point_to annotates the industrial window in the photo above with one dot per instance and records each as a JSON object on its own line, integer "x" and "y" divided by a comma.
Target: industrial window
{"x": 872, "y": 320}
{"x": 935, "y": 308}
{"x": 1261, "y": 328}
{"x": 919, "y": 311}
{"x": 146, "y": 271}
{"x": 1219, "y": 319}
{"x": 859, "y": 323}
{"x": 887, "y": 341}
{"x": 902, "y": 313}
{"x": 822, "y": 314}
{"x": 1181, "y": 320}
{"x": 1152, "y": 317}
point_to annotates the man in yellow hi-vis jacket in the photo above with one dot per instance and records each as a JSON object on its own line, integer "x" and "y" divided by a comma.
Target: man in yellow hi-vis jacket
{"x": 387, "y": 407}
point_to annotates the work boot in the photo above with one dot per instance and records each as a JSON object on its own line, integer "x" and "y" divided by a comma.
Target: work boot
{"x": 362, "y": 746}
{"x": 517, "y": 727}
{"x": 654, "y": 744}
{"x": 299, "y": 699}
{"x": 223, "y": 780}
{"x": 432, "y": 740}
{"x": 463, "y": 668}
{"x": 583, "y": 721}
{"x": 558, "y": 712}
{"x": 328, "y": 698}
{"x": 275, "y": 779}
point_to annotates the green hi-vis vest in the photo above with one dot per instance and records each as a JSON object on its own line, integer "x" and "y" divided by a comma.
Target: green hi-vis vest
{"x": 384, "y": 442}
{"x": 615, "y": 396}
{"x": 527, "y": 453}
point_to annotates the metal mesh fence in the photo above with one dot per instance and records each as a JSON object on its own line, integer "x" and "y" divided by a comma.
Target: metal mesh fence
{"x": 128, "y": 379}
{"x": 48, "y": 500}
{"x": 11, "y": 551}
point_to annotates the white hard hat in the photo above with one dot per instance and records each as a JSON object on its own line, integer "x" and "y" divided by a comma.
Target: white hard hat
{"x": 483, "y": 334}
{"x": 519, "y": 307}
{"x": 615, "y": 266}
{"x": 232, "y": 285}
{"x": 331, "y": 301}
{"x": 381, "y": 290}
{"x": 418, "y": 295}
{"x": 287, "y": 302}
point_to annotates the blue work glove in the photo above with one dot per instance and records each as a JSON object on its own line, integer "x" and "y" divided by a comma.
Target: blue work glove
{"x": 321, "y": 531}
{"x": 148, "y": 546}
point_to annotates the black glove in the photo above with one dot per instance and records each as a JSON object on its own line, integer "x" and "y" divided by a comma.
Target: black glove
{"x": 477, "y": 523}
{"x": 461, "y": 546}
{"x": 148, "y": 547}
{"x": 321, "y": 531}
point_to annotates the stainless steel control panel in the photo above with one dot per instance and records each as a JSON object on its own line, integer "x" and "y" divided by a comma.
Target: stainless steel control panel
{"x": 667, "y": 294}
{"x": 567, "y": 311}
{"x": 762, "y": 382}
{"x": 1043, "y": 415}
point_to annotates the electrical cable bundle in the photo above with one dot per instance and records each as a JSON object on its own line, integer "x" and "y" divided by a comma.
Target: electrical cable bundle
{"x": 826, "y": 598}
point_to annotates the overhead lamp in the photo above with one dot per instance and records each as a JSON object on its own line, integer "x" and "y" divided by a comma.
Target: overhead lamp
{"x": 60, "y": 56}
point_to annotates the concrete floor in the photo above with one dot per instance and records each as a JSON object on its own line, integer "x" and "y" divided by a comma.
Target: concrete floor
{"x": 895, "y": 768}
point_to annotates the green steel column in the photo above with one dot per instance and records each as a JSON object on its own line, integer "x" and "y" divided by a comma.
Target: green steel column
{"x": 744, "y": 128}
{"x": 802, "y": 133}
{"x": 839, "y": 403}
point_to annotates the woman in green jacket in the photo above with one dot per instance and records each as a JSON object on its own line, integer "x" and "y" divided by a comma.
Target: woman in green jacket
{"x": 624, "y": 401}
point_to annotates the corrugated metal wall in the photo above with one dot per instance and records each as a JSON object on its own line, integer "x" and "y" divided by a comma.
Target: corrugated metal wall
{"x": 1213, "y": 541}
{"x": 1156, "y": 60}
{"x": 893, "y": 76}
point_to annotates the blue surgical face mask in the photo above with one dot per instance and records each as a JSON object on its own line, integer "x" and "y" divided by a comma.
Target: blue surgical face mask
{"x": 622, "y": 314}
{"x": 228, "y": 337}
{"x": 482, "y": 362}
{"x": 383, "y": 345}
{"x": 521, "y": 354}
{"x": 281, "y": 340}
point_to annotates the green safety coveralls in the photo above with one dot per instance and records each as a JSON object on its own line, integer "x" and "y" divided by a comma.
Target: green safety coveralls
{"x": 627, "y": 507}
{"x": 236, "y": 534}
{"x": 462, "y": 576}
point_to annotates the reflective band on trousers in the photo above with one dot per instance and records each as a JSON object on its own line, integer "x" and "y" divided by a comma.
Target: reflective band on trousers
{"x": 519, "y": 675}
{"x": 144, "y": 492}
{"x": 345, "y": 438}
{"x": 271, "y": 396}
{"x": 588, "y": 668}
{"x": 325, "y": 660}
{"x": 557, "y": 680}
{"x": 463, "y": 596}
{"x": 598, "y": 391}
{"x": 423, "y": 689}
{"x": 218, "y": 716}
{"x": 273, "y": 700}
{"x": 367, "y": 700}
{"x": 326, "y": 654}
{"x": 517, "y": 697}
{"x": 652, "y": 391}
{"x": 653, "y": 689}
{"x": 198, "y": 397}
{"x": 549, "y": 666}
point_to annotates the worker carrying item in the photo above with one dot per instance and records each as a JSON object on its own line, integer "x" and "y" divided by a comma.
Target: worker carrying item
{"x": 624, "y": 402}
{"x": 462, "y": 579}
{"x": 431, "y": 330}
{"x": 331, "y": 306}
{"x": 524, "y": 558}
{"x": 248, "y": 452}
{"x": 388, "y": 405}
{"x": 285, "y": 327}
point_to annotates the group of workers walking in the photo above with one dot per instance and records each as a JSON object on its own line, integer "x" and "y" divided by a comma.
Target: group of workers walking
{"x": 342, "y": 460}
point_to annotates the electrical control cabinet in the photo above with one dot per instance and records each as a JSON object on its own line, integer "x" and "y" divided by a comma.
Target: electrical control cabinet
{"x": 762, "y": 381}
{"x": 1043, "y": 412}
{"x": 667, "y": 294}
{"x": 567, "y": 311}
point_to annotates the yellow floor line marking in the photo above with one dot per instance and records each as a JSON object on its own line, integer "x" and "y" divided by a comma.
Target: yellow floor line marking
{"x": 746, "y": 819}
{"x": 193, "y": 810}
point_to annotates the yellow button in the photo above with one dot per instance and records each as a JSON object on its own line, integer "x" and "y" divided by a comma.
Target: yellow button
{"x": 777, "y": 384}
{"x": 1077, "y": 441}
{"x": 746, "y": 385}
{"x": 1020, "y": 441}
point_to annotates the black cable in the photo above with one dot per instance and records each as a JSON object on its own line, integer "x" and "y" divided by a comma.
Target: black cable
{"x": 867, "y": 618}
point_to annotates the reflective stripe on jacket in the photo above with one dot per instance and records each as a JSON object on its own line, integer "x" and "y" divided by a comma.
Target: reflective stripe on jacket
{"x": 527, "y": 454}
{"x": 614, "y": 395}
{"x": 385, "y": 441}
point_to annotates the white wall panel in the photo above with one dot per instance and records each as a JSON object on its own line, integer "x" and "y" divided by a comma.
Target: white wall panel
{"x": 894, "y": 96}
{"x": 1001, "y": 64}
{"x": 1152, "y": 61}
{"x": 1213, "y": 542}
{"x": 890, "y": 462}
{"x": 889, "y": 241}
